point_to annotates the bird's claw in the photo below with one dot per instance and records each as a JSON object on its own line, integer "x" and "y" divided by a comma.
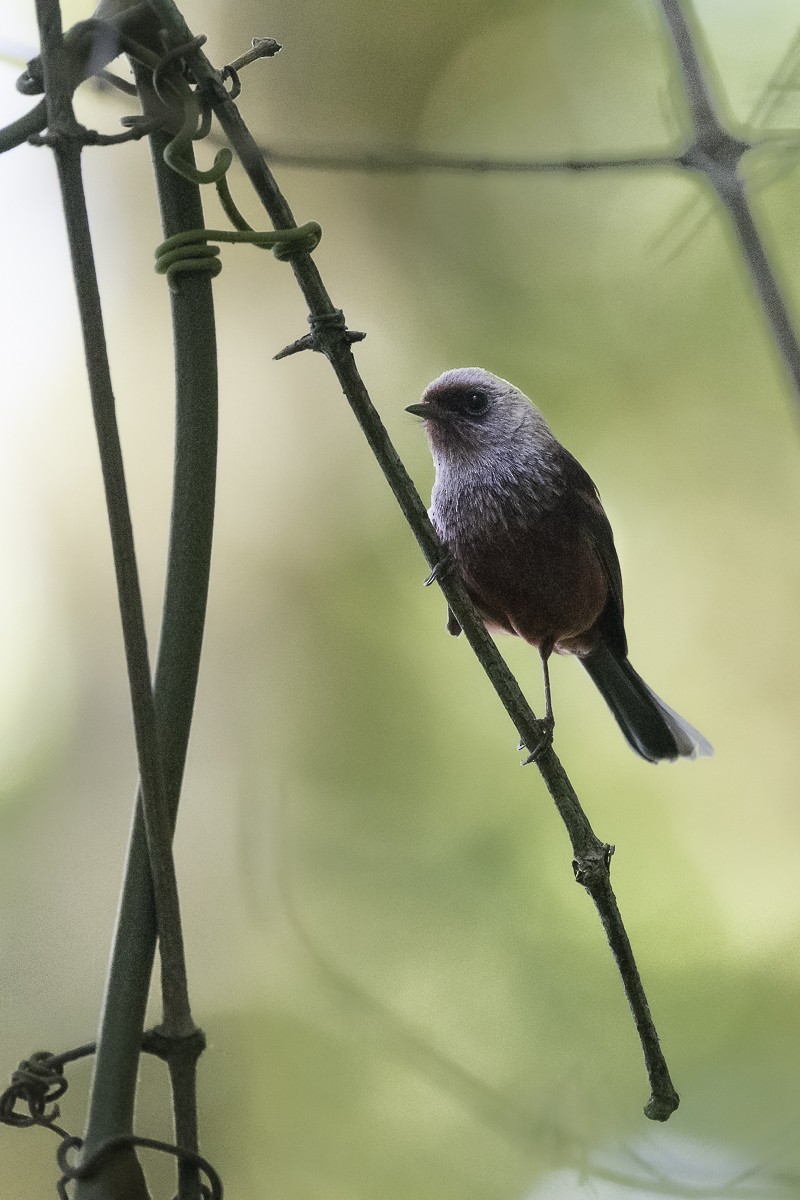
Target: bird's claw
{"x": 443, "y": 567}
{"x": 545, "y": 729}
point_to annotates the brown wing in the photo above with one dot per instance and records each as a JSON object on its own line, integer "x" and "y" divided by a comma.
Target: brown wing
{"x": 589, "y": 512}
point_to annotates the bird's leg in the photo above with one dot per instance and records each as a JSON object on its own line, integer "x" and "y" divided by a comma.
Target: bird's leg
{"x": 444, "y": 567}
{"x": 548, "y": 721}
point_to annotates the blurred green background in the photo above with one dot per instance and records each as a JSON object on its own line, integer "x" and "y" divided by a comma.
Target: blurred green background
{"x": 406, "y": 996}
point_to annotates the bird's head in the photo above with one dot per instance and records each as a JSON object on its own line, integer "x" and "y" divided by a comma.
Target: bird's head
{"x": 469, "y": 413}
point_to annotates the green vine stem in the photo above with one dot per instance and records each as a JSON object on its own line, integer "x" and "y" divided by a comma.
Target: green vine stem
{"x": 67, "y": 142}
{"x": 116, "y": 1066}
{"x": 67, "y": 138}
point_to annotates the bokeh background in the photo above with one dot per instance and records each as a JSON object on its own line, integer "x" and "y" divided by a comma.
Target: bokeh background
{"x": 406, "y": 996}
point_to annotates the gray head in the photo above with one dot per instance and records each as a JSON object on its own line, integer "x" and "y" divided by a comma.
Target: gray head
{"x": 470, "y": 415}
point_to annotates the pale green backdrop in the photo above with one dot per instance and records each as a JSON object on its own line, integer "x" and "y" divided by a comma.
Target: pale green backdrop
{"x": 406, "y": 996}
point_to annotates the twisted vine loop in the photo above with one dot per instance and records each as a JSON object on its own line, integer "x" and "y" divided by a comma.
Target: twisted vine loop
{"x": 190, "y": 251}
{"x": 89, "y": 1165}
{"x": 38, "y": 1082}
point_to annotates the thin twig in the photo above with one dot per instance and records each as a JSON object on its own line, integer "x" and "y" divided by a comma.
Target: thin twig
{"x": 413, "y": 161}
{"x": 24, "y": 127}
{"x": 783, "y": 81}
{"x": 591, "y": 855}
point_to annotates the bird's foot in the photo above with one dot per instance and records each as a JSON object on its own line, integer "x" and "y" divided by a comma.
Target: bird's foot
{"x": 443, "y": 567}
{"x": 545, "y": 729}
{"x": 453, "y": 626}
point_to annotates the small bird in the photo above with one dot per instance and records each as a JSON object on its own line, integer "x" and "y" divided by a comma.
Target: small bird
{"x": 523, "y": 525}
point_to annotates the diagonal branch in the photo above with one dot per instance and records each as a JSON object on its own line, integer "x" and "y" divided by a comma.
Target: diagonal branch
{"x": 591, "y": 855}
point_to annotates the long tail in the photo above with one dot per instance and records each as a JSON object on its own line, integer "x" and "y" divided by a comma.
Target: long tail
{"x": 651, "y": 727}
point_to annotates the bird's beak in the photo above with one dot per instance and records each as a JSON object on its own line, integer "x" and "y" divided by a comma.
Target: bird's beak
{"x": 430, "y": 412}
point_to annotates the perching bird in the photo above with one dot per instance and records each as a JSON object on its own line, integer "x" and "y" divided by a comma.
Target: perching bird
{"x": 525, "y": 529}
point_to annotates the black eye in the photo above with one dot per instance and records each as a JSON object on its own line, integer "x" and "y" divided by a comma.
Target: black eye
{"x": 476, "y": 403}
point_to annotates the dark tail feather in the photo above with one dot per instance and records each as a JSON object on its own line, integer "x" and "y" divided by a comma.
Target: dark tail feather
{"x": 651, "y": 727}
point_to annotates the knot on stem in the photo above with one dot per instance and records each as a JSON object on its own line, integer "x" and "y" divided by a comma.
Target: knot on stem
{"x": 37, "y": 1082}
{"x": 592, "y": 867}
{"x": 169, "y": 1046}
{"x": 328, "y": 331}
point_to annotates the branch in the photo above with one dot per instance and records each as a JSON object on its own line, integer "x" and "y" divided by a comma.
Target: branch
{"x": 329, "y": 335}
{"x": 411, "y": 161}
{"x": 25, "y": 127}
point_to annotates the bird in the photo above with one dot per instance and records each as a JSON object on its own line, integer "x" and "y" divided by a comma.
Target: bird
{"x": 523, "y": 525}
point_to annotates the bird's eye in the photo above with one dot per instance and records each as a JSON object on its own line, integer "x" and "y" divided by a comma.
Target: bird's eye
{"x": 476, "y": 403}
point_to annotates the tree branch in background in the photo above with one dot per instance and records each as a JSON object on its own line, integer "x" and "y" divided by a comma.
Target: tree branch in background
{"x": 716, "y": 153}
{"x": 417, "y": 161}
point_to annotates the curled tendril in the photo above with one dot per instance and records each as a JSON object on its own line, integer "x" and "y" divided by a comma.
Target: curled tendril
{"x": 232, "y": 74}
{"x": 177, "y": 154}
{"x": 190, "y": 251}
{"x": 37, "y": 1082}
{"x": 160, "y": 83}
{"x": 203, "y": 124}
